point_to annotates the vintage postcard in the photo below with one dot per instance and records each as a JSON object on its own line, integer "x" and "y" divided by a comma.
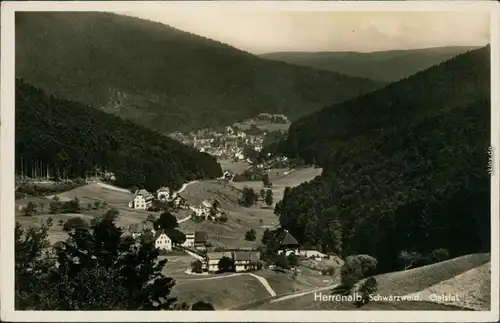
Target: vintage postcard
{"x": 249, "y": 161}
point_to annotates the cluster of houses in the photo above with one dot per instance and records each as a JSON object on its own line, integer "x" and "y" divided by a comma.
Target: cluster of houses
{"x": 274, "y": 118}
{"x": 143, "y": 200}
{"x": 206, "y": 210}
{"x": 196, "y": 240}
{"x": 242, "y": 260}
{"x": 227, "y": 144}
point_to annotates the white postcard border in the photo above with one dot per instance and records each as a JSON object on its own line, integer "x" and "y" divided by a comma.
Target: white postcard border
{"x": 7, "y": 182}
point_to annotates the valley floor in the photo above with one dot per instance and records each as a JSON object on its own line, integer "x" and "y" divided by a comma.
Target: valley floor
{"x": 466, "y": 276}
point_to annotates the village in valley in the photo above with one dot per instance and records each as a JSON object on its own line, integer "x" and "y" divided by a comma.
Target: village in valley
{"x": 207, "y": 228}
{"x": 170, "y": 163}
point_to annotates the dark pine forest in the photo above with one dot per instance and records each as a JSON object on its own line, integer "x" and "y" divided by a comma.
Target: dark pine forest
{"x": 404, "y": 168}
{"x": 69, "y": 139}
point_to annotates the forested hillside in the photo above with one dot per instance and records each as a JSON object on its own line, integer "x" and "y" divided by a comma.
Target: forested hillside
{"x": 71, "y": 139}
{"x": 384, "y": 66}
{"x": 405, "y": 168}
{"x": 164, "y": 78}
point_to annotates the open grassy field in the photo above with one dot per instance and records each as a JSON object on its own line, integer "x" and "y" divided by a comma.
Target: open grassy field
{"x": 224, "y": 293}
{"x": 224, "y": 192}
{"x": 405, "y": 283}
{"x": 232, "y": 233}
{"x": 235, "y": 167}
{"x": 293, "y": 179}
{"x": 307, "y": 279}
{"x": 177, "y": 265}
{"x": 471, "y": 288}
{"x": 94, "y": 192}
{"x": 415, "y": 280}
{"x": 240, "y": 219}
{"x": 87, "y": 194}
{"x": 56, "y": 232}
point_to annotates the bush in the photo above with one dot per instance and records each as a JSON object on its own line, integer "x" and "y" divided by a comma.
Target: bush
{"x": 202, "y": 306}
{"x": 222, "y": 219}
{"x": 439, "y": 255}
{"x": 75, "y": 223}
{"x": 365, "y": 288}
{"x": 112, "y": 214}
{"x": 330, "y": 271}
{"x": 356, "y": 268}
{"x": 97, "y": 204}
{"x": 410, "y": 258}
{"x": 226, "y": 264}
{"x": 282, "y": 262}
{"x": 250, "y": 235}
{"x": 293, "y": 260}
{"x": 29, "y": 209}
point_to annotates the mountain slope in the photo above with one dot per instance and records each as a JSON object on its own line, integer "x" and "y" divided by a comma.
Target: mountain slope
{"x": 163, "y": 78}
{"x": 71, "y": 138}
{"x": 404, "y": 168}
{"x": 385, "y": 66}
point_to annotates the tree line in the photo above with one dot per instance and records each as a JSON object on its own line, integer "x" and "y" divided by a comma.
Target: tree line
{"x": 95, "y": 268}
{"x": 404, "y": 169}
{"x": 69, "y": 139}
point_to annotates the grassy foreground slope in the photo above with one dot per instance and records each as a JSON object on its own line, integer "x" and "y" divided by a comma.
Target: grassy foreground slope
{"x": 70, "y": 139}
{"x": 384, "y": 66}
{"x": 404, "y": 168}
{"x": 402, "y": 283}
{"x": 164, "y": 78}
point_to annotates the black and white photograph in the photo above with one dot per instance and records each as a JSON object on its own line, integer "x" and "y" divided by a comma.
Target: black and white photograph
{"x": 278, "y": 158}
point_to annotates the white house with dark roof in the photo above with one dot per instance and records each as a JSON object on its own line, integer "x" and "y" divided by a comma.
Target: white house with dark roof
{"x": 246, "y": 260}
{"x": 200, "y": 240}
{"x": 162, "y": 241}
{"x": 137, "y": 229}
{"x": 189, "y": 243}
{"x": 203, "y": 210}
{"x": 213, "y": 259}
{"x": 142, "y": 200}
{"x": 289, "y": 244}
{"x": 180, "y": 202}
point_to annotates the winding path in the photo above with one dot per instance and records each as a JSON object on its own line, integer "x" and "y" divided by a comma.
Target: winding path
{"x": 300, "y": 294}
{"x": 184, "y": 186}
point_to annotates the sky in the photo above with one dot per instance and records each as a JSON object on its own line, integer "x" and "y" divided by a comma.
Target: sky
{"x": 275, "y": 31}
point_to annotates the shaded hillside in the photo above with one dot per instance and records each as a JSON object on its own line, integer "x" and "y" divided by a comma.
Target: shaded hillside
{"x": 454, "y": 83}
{"x": 385, "y": 66}
{"x": 163, "y": 78}
{"x": 71, "y": 139}
{"x": 405, "y": 168}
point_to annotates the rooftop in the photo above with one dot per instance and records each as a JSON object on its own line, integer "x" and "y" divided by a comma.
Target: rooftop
{"x": 251, "y": 256}
{"x": 218, "y": 255}
{"x": 200, "y": 237}
{"x": 289, "y": 240}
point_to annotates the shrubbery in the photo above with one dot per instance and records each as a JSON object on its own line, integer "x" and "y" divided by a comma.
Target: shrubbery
{"x": 356, "y": 268}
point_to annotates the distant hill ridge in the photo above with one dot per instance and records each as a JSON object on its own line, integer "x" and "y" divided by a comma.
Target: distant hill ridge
{"x": 450, "y": 84}
{"x": 163, "y": 78}
{"x": 382, "y": 66}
